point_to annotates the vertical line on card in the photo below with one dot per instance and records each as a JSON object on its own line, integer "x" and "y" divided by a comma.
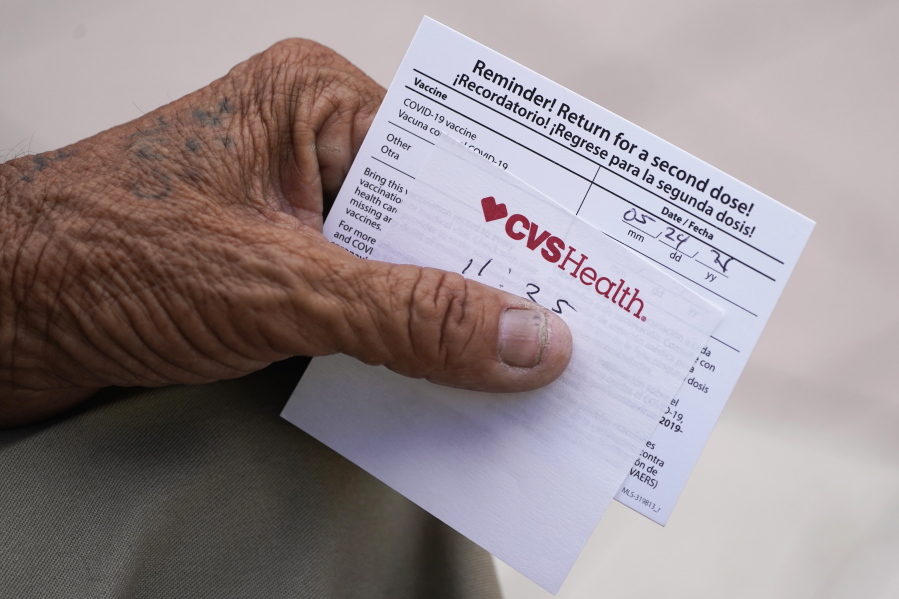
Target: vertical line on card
{"x": 589, "y": 187}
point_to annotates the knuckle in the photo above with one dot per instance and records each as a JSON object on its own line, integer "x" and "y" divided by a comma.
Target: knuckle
{"x": 300, "y": 50}
{"x": 441, "y": 325}
{"x": 437, "y": 291}
{"x": 323, "y": 71}
{"x": 292, "y": 56}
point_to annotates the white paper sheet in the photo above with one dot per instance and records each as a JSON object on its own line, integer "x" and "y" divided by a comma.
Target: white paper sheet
{"x": 724, "y": 240}
{"x": 526, "y": 475}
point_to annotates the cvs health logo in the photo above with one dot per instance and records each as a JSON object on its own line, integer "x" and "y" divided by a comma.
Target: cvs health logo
{"x": 519, "y": 228}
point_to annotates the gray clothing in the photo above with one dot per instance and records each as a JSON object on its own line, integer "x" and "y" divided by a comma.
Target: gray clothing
{"x": 204, "y": 491}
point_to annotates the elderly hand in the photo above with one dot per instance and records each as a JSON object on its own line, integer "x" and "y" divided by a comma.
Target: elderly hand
{"x": 186, "y": 247}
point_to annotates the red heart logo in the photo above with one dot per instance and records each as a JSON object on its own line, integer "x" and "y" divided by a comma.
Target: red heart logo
{"x": 492, "y": 210}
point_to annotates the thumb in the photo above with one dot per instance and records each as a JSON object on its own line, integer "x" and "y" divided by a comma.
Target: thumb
{"x": 432, "y": 324}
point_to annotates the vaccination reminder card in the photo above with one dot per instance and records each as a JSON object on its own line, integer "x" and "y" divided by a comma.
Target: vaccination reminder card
{"x": 665, "y": 269}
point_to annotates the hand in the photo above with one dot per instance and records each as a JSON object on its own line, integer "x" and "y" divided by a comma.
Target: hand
{"x": 186, "y": 247}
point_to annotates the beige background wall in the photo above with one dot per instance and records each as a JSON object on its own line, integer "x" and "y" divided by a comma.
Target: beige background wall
{"x": 797, "y": 494}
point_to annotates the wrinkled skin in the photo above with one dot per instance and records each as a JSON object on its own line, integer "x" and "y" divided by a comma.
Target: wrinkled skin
{"x": 186, "y": 247}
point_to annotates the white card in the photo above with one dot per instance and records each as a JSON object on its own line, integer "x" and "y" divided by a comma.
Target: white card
{"x": 724, "y": 240}
{"x": 526, "y": 475}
